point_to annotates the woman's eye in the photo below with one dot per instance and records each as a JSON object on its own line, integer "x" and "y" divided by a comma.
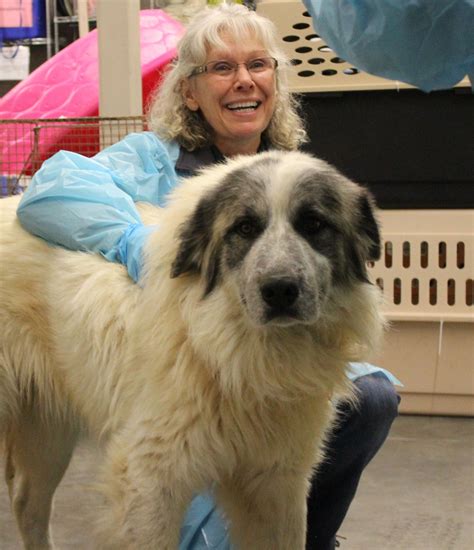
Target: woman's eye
{"x": 221, "y": 67}
{"x": 256, "y": 64}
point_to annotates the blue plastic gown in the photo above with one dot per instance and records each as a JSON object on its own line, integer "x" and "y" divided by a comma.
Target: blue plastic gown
{"x": 89, "y": 204}
{"x": 426, "y": 43}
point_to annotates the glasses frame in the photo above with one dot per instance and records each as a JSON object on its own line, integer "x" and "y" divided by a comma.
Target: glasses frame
{"x": 203, "y": 69}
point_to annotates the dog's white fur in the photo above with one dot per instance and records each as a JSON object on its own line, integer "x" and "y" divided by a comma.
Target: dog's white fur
{"x": 184, "y": 392}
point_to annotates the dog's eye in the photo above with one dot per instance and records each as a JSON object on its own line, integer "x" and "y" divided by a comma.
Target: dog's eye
{"x": 247, "y": 228}
{"x": 309, "y": 224}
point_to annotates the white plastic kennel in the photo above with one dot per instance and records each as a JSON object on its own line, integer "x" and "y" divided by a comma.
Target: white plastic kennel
{"x": 427, "y": 275}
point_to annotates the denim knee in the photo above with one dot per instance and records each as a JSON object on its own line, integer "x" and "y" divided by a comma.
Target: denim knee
{"x": 377, "y": 398}
{"x": 369, "y": 421}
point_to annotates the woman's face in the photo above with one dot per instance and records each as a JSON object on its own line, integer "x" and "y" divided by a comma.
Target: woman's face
{"x": 238, "y": 106}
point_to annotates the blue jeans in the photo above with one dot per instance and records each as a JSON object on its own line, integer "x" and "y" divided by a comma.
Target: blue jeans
{"x": 360, "y": 433}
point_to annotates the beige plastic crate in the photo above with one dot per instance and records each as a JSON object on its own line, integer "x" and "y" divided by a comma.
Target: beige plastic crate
{"x": 316, "y": 68}
{"x": 427, "y": 276}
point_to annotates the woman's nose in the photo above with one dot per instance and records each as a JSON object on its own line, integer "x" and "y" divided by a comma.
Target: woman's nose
{"x": 243, "y": 77}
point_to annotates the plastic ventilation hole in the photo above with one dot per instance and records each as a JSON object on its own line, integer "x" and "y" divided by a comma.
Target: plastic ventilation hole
{"x": 388, "y": 256}
{"x": 433, "y": 290}
{"x": 442, "y": 255}
{"x": 424, "y": 254}
{"x": 415, "y": 292}
{"x": 397, "y": 291}
{"x": 301, "y": 26}
{"x": 406, "y": 254}
{"x": 451, "y": 292}
{"x": 460, "y": 255}
{"x": 470, "y": 292}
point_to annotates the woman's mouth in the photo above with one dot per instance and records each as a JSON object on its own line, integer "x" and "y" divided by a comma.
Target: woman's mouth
{"x": 243, "y": 106}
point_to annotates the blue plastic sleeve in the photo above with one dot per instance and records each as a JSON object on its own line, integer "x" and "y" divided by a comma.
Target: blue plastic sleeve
{"x": 88, "y": 204}
{"x": 128, "y": 250}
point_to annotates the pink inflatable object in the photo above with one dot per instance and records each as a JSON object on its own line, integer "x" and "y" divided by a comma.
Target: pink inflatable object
{"x": 67, "y": 85}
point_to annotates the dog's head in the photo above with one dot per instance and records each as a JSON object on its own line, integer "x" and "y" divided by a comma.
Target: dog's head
{"x": 284, "y": 231}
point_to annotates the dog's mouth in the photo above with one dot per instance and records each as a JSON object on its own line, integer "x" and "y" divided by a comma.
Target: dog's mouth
{"x": 283, "y": 319}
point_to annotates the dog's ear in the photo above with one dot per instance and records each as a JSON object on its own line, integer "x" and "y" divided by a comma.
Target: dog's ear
{"x": 369, "y": 227}
{"x": 198, "y": 252}
{"x": 366, "y": 246}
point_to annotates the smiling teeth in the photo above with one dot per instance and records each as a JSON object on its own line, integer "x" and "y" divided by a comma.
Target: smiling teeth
{"x": 242, "y": 106}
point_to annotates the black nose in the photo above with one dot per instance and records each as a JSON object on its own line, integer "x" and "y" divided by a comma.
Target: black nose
{"x": 280, "y": 293}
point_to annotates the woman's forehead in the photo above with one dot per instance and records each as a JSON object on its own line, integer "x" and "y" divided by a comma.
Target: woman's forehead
{"x": 243, "y": 46}
{"x": 235, "y": 54}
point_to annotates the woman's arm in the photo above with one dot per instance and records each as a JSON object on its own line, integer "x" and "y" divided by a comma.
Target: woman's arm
{"x": 88, "y": 203}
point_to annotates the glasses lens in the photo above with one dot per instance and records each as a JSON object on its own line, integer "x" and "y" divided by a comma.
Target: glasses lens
{"x": 222, "y": 68}
{"x": 228, "y": 68}
{"x": 261, "y": 64}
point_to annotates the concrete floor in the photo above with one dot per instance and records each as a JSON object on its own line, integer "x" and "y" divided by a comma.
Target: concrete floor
{"x": 417, "y": 494}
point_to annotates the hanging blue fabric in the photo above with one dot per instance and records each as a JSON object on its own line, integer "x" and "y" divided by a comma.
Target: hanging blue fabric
{"x": 426, "y": 43}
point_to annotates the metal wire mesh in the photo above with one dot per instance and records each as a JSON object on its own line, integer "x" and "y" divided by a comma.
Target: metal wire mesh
{"x": 26, "y": 143}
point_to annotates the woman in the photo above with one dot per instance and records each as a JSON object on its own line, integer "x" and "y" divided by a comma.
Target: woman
{"x": 225, "y": 96}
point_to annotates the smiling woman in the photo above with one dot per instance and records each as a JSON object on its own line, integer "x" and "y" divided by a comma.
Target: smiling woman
{"x": 229, "y": 59}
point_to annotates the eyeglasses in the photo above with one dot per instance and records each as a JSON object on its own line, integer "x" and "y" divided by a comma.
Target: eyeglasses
{"x": 227, "y": 69}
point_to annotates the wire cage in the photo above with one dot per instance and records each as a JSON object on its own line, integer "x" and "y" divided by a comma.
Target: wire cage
{"x": 26, "y": 143}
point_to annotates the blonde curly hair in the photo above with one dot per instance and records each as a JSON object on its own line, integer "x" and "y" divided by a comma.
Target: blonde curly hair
{"x": 170, "y": 118}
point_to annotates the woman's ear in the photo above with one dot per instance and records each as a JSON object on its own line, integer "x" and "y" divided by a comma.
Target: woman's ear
{"x": 188, "y": 96}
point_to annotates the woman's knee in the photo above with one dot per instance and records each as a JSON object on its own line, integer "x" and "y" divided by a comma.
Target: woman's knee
{"x": 377, "y": 399}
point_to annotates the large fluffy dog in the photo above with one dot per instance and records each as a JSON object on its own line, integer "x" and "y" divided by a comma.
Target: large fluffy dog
{"x": 220, "y": 369}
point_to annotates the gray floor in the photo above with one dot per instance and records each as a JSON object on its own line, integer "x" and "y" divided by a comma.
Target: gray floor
{"x": 417, "y": 494}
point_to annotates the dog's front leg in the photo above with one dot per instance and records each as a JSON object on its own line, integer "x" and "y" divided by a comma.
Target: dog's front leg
{"x": 147, "y": 497}
{"x": 267, "y": 511}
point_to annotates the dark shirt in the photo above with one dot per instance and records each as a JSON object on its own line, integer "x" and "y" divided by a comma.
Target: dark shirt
{"x": 189, "y": 162}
